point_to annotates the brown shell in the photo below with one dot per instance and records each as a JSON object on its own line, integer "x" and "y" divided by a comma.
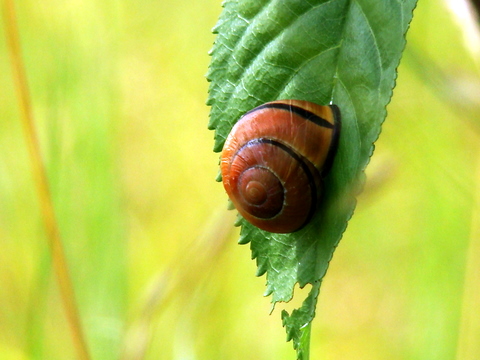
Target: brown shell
{"x": 274, "y": 160}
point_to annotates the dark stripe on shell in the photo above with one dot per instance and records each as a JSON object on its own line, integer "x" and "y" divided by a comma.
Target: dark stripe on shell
{"x": 332, "y": 151}
{"x": 307, "y": 115}
{"x": 299, "y": 159}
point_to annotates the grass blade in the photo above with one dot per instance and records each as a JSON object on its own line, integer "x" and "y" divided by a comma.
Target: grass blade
{"x": 468, "y": 347}
{"x": 40, "y": 179}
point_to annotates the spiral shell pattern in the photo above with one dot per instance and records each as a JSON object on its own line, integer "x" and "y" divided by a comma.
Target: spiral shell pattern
{"x": 274, "y": 161}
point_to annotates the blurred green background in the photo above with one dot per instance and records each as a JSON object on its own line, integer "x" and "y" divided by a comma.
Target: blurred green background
{"x": 119, "y": 93}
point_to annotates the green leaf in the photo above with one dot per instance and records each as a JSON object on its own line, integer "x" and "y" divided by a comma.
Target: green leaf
{"x": 340, "y": 51}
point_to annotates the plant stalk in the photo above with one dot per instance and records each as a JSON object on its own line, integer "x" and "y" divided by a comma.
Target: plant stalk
{"x": 59, "y": 261}
{"x": 304, "y": 349}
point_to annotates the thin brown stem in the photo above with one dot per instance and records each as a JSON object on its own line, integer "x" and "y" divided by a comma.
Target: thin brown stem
{"x": 40, "y": 179}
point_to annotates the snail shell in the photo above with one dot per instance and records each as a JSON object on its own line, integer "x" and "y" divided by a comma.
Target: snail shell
{"x": 274, "y": 161}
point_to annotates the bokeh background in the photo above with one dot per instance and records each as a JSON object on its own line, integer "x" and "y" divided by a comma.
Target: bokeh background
{"x": 119, "y": 93}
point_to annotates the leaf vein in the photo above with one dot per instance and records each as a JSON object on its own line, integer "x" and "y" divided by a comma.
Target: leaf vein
{"x": 377, "y": 48}
{"x": 280, "y": 33}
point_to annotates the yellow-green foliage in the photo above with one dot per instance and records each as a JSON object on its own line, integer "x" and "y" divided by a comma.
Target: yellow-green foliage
{"x": 118, "y": 91}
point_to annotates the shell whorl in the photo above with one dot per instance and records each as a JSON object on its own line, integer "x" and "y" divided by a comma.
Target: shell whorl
{"x": 274, "y": 161}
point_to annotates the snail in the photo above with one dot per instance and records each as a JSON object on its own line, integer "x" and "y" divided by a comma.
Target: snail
{"x": 275, "y": 159}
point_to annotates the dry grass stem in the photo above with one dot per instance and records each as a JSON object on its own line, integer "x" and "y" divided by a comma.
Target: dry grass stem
{"x": 41, "y": 182}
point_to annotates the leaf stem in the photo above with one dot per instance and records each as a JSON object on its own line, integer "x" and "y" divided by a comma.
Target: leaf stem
{"x": 40, "y": 179}
{"x": 304, "y": 347}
